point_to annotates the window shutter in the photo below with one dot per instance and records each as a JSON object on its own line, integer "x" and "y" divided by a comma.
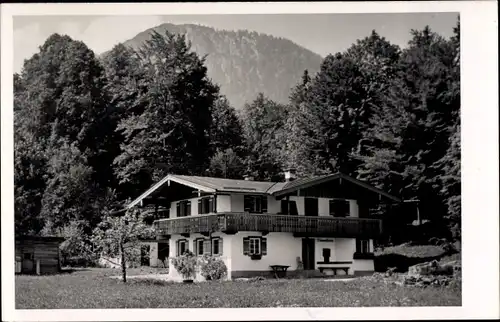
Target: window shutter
{"x": 246, "y": 203}
{"x": 284, "y": 207}
{"x": 200, "y": 209}
{"x": 347, "y": 208}
{"x": 210, "y": 204}
{"x": 188, "y": 208}
{"x": 293, "y": 208}
{"x": 177, "y": 246}
{"x": 206, "y": 247}
{"x": 220, "y": 246}
{"x": 264, "y": 246}
{"x": 358, "y": 246}
{"x": 178, "y": 209}
{"x": 195, "y": 246}
{"x": 246, "y": 245}
{"x": 264, "y": 204}
{"x": 332, "y": 207}
{"x": 214, "y": 204}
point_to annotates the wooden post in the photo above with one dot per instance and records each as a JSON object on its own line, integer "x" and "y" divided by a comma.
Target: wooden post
{"x": 37, "y": 267}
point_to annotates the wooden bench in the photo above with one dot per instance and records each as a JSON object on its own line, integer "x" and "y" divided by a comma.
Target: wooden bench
{"x": 334, "y": 269}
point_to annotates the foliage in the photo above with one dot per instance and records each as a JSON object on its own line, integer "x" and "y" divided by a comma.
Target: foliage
{"x": 226, "y": 164}
{"x": 62, "y": 136}
{"x": 59, "y": 293}
{"x": 263, "y": 125}
{"x": 212, "y": 267}
{"x": 119, "y": 235}
{"x": 186, "y": 265}
{"x": 172, "y": 128}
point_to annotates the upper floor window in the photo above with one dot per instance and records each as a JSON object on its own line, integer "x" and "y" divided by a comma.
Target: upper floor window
{"x": 289, "y": 207}
{"x": 339, "y": 208}
{"x": 255, "y": 204}
{"x": 184, "y": 208}
{"x": 207, "y": 205}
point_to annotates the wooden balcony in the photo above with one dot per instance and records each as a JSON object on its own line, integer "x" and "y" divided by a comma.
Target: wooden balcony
{"x": 301, "y": 226}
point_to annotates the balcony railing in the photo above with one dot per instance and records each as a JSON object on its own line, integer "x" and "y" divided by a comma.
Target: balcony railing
{"x": 302, "y": 225}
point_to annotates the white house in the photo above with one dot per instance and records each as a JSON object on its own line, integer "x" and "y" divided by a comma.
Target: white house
{"x": 316, "y": 225}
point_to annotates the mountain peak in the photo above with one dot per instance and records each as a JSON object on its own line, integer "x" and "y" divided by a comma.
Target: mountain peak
{"x": 244, "y": 63}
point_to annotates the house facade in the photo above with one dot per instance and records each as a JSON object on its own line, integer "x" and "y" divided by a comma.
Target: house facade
{"x": 317, "y": 225}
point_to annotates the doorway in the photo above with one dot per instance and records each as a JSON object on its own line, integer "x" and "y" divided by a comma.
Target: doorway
{"x": 308, "y": 253}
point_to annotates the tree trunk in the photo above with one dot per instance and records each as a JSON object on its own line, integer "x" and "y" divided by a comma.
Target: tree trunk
{"x": 124, "y": 265}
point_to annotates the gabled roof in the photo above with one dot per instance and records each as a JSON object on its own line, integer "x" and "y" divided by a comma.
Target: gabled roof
{"x": 309, "y": 182}
{"x": 213, "y": 185}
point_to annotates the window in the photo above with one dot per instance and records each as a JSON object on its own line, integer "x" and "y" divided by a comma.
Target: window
{"x": 184, "y": 208}
{"x": 182, "y": 247}
{"x": 339, "y": 208}
{"x": 217, "y": 246}
{"x": 289, "y": 207}
{"x": 207, "y": 205}
{"x": 202, "y": 246}
{"x": 255, "y": 204}
{"x": 362, "y": 246}
{"x": 326, "y": 255}
{"x": 28, "y": 256}
{"x": 253, "y": 246}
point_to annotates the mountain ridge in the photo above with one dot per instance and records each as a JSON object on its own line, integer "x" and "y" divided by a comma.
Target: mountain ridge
{"x": 243, "y": 62}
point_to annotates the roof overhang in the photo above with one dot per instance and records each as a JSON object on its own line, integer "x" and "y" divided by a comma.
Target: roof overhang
{"x": 337, "y": 176}
{"x": 170, "y": 178}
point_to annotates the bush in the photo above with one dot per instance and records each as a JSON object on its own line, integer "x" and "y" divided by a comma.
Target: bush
{"x": 213, "y": 268}
{"x": 186, "y": 265}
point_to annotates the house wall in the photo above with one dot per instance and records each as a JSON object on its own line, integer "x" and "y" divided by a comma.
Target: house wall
{"x": 282, "y": 249}
{"x": 174, "y": 275}
{"x": 45, "y": 252}
{"x": 224, "y": 203}
{"x": 235, "y": 203}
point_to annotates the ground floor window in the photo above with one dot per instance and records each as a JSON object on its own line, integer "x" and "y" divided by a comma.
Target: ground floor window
{"x": 205, "y": 246}
{"x": 362, "y": 246}
{"x": 217, "y": 246}
{"x": 182, "y": 246}
{"x": 254, "y": 246}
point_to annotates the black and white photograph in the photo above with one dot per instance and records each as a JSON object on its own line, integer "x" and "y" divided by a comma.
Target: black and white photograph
{"x": 213, "y": 160}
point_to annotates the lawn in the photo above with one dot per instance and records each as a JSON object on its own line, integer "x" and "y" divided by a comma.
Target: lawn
{"x": 93, "y": 288}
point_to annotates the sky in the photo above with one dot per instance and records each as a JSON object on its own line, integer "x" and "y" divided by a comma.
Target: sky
{"x": 321, "y": 33}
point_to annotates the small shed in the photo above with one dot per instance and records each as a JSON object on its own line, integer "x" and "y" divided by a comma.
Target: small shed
{"x": 37, "y": 254}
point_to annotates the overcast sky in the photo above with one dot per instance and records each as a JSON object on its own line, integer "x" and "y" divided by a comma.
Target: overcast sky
{"x": 321, "y": 33}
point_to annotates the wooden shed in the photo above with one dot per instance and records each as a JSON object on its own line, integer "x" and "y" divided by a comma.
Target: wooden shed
{"x": 38, "y": 255}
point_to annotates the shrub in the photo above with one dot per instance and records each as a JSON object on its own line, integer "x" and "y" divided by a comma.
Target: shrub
{"x": 213, "y": 268}
{"x": 186, "y": 265}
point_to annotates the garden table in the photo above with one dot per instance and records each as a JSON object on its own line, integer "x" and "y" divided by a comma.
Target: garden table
{"x": 279, "y": 270}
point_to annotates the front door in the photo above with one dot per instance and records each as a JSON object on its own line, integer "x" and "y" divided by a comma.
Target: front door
{"x": 308, "y": 253}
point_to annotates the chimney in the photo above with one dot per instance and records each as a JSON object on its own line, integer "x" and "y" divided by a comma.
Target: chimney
{"x": 248, "y": 178}
{"x": 290, "y": 174}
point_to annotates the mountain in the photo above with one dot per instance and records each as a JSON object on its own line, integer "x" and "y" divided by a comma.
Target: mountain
{"x": 244, "y": 63}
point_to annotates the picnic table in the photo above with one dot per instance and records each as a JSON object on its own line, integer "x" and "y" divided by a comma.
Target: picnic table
{"x": 279, "y": 270}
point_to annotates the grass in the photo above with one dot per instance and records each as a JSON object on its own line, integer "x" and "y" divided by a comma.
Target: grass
{"x": 93, "y": 288}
